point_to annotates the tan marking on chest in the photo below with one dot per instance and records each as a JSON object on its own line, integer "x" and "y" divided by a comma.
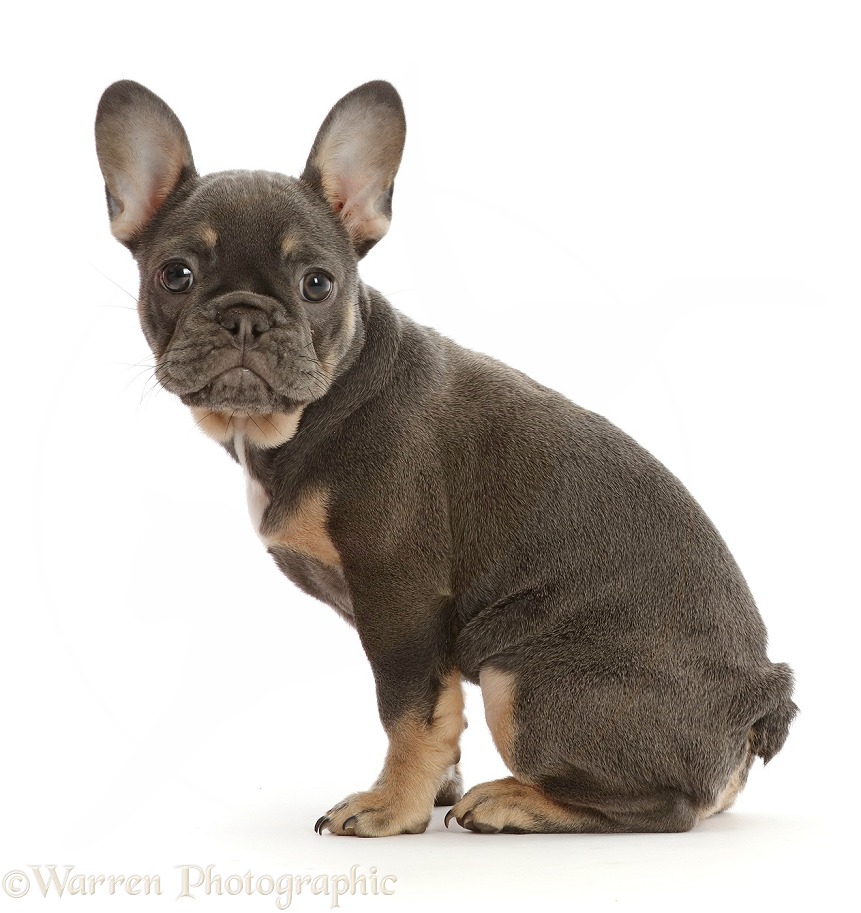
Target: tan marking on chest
{"x": 264, "y": 431}
{"x": 306, "y": 530}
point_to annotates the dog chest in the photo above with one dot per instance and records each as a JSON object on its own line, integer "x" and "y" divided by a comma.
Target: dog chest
{"x": 255, "y": 493}
{"x": 303, "y": 531}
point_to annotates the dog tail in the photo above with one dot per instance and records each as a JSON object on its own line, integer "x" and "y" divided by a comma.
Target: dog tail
{"x": 769, "y": 732}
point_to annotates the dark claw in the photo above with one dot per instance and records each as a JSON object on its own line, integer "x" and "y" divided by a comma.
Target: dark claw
{"x": 322, "y": 821}
{"x": 350, "y": 824}
{"x": 448, "y": 816}
{"x": 466, "y": 821}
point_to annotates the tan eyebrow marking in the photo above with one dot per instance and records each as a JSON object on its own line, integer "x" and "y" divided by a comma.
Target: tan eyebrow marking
{"x": 289, "y": 244}
{"x": 208, "y": 235}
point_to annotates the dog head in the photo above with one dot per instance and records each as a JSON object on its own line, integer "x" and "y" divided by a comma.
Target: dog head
{"x": 249, "y": 290}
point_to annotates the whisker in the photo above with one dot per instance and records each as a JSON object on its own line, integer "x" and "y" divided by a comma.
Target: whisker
{"x": 314, "y": 358}
{"x": 126, "y": 364}
{"x": 251, "y": 419}
{"x": 150, "y": 388}
{"x": 267, "y": 419}
{"x": 399, "y": 292}
{"x": 113, "y": 282}
{"x": 138, "y": 375}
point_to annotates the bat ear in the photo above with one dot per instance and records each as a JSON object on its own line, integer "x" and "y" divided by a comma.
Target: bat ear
{"x": 143, "y": 153}
{"x": 355, "y": 157}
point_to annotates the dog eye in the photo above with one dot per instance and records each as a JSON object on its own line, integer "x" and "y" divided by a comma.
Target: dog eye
{"x": 316, "y": 286}
{"x": 176, "y": 277}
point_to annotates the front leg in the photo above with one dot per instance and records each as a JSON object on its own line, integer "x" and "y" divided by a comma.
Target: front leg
{"x": 423, "y": 748}
{"x": 399, "y": 577}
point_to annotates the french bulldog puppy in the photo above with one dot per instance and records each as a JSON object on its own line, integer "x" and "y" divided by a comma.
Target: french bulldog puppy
{"x": 469, "y": 522}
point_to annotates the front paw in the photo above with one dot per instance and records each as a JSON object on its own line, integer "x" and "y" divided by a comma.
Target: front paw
{"x": 375, "y": 813}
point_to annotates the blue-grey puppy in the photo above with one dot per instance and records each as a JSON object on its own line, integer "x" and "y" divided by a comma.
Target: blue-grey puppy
{"x": 471, "y": 523}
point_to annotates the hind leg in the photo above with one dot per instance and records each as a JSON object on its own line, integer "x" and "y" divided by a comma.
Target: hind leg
{"x": 511, "y": 806}
{"x": 587, "y": 758}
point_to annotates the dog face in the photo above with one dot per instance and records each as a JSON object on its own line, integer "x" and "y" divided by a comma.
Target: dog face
{"x": 240, "y": 325}
{"x": 249, "y": 284}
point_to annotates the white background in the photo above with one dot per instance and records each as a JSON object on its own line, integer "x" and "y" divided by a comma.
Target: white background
{"x": 653, "y": 207}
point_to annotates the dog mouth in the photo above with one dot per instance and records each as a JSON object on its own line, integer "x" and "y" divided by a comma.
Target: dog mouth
{"x": 223, "y": 379}
{"x": 238, "y": 389}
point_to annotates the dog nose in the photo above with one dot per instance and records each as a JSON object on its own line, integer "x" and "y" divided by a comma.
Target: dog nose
{"x": 246, "y": 324}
